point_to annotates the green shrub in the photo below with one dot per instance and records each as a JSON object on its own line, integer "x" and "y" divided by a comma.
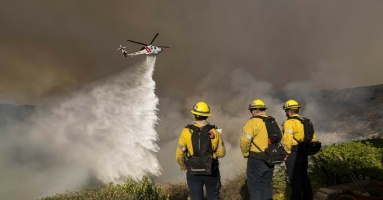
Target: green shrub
{"x": 145, "y": 190}
{"x": 280, "y": 189}
{"x": 337, "y": 164}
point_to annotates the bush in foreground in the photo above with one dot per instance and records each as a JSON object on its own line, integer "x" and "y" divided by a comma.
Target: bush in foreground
{"x": 129, "y": 190}
{"x": 337, "y": 164}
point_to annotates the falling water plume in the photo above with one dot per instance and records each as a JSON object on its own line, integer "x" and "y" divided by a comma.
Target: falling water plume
{"x": 105, "y": 131}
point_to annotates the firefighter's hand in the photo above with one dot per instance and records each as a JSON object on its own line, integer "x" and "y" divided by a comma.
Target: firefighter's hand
{"x": 186, "y": 171}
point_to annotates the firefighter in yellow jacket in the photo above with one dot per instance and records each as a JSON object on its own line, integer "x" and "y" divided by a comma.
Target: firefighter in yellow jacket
{"x": 187, "y": 150}
{"x": 254, "y": 140}
{"x": 297, "y": 160}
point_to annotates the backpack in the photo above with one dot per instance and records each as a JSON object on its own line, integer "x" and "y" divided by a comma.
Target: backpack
{"x": 201, "y": 162}
{"x": 309, "y": 147}
{"x": 274, "y": 153}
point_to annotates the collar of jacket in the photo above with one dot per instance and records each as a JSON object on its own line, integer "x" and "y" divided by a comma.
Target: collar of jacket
{"x": 201, "y": 123}
{"x": 295, "y": 115}
{"x": 263, "y": 113}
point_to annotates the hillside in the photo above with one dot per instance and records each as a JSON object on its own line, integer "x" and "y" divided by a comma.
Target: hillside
{"x": 9, "y": 113}
{"x": 357, "y": 112}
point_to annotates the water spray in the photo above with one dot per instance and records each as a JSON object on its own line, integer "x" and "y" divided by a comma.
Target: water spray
{"x": 105, "y": 131}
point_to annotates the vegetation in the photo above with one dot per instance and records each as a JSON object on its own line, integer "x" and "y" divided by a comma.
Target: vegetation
{"x": 145, "y": 190}
{"x": 337, "y": 164}
{"x": 334, "y": 164}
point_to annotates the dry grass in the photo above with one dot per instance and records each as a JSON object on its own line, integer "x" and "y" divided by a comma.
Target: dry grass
{"x": 176, "y": 191}
{"x": 235, "y": 187}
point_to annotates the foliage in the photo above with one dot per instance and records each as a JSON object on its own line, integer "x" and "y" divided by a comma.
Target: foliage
{"x": 334, "y": 164}
{"x": 176, "y": 190}
{"x": 376, "y": 142}
{"x": 235, "y": 187}
{"x": 280, "y": 189}
{"x": 342, "y": 163}
{"x": 145, "y": 190}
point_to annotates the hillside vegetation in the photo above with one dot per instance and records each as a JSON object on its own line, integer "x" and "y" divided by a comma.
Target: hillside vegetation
{"x": 333, "y": 165}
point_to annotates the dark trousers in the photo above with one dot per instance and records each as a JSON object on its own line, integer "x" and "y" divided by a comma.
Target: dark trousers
{"x": 259, "y": 178}
{"x": 211, "y": 182}
{"x": 298, "y": 177}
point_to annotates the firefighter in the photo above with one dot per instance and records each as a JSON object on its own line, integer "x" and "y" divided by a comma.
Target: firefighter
{"x": 297, "y": 159}
{"x": 185, "y": 151}
{"x": 254, "y": 138}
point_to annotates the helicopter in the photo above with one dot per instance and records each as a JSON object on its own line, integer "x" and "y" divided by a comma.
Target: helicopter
{"x": 148, "y": 49}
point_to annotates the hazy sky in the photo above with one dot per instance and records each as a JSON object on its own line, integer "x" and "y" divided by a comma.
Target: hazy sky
{"x": 54, "y": 47}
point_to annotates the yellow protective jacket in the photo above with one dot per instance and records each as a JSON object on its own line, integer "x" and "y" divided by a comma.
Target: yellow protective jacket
{"x": 254, "y": 130}
{"x": 293, "y": 128}
{"x": 185, "y": 144}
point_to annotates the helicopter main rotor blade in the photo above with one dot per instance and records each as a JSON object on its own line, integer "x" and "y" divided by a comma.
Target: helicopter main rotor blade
{"x": 163, "y": 47}
{"x": 153, "y": 39}
{"x": 138, "y": 42}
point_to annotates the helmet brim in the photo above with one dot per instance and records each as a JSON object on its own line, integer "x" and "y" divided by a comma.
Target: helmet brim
{"x": 257, "y": 108}
{"x": 201, "y": 113}
{"x": 291, "y": 108}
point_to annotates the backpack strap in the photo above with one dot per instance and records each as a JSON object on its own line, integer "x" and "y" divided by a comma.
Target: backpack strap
{"x": 301, "y": 119}
{"x": 252, "y": 141}
{"x": 260, "y": 117}
{"x": 264, "y": 120}
{"x": 194, "y": 127}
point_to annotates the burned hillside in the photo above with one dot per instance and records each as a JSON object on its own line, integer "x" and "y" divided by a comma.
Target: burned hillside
{"x": 353, "y": 113}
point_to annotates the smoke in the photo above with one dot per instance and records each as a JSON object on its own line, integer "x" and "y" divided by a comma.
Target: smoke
{"x": 334, "y": 44}
{"x": 272, "y": 50}
{"x": 229, "y": 99}
{"x": 102, "y": 133}
{"x": 228, "y": 102}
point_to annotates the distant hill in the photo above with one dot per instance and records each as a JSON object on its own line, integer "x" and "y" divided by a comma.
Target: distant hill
{"x": 351, "y": 113}
{"x": 357, "y": 112}
{"x": 9, "y": 112}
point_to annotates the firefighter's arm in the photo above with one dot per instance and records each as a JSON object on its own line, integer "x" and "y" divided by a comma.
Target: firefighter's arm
{"x": 245, "y": 140}
{"x": 181, "y": 151}
{"x": 288, "y": 135}
{"x": 314, "y": 137}
{"x": 220, "y": 150}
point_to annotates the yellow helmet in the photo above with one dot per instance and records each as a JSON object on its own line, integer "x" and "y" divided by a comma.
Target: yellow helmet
{"x": 257, "y": 103}
{"x": 291, "y": 104}
{"x": 202, "y": 109}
